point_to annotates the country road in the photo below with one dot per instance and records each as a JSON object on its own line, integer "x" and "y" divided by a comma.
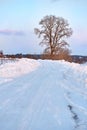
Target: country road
{"x": 52, "y": 97}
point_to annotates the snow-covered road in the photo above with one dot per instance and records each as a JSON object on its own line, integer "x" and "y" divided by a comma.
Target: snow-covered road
{"x": 51, "y": 95}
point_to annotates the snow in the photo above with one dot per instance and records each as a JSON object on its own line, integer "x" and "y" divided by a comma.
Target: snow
{"x": 43, "y": 95}
{"x": 17, "y": 68}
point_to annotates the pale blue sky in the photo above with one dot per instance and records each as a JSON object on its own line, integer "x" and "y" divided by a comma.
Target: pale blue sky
{"x": 18, "y": 18}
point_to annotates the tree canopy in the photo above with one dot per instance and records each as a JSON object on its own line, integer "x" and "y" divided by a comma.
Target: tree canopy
{"x": 54, "y": 31}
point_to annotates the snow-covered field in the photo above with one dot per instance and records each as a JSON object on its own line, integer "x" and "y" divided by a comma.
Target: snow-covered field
{"x": 43, "y": 95}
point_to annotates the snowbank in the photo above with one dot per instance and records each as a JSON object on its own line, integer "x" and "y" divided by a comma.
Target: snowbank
{"x": 18, "y": 68}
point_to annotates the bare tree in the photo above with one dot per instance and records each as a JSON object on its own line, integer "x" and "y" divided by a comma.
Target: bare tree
{"x": 54, "y": 31}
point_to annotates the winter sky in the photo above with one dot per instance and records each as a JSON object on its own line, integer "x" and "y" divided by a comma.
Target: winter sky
{"x": 18, "y": 18}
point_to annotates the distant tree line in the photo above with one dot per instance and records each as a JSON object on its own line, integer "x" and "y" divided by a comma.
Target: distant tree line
{"x": 1, "y": 54}
{"x": 71, "y": 58}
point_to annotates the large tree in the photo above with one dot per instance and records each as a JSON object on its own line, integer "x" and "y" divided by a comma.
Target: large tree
{"x": 54, "y": 30}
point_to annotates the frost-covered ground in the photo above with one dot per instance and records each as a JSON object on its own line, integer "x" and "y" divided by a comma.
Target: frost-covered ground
{"x": 43, "y": 95}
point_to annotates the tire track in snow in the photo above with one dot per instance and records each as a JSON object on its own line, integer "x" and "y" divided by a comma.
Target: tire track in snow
{"x": 35, "y": 107}
{"x": 84, "y": 110}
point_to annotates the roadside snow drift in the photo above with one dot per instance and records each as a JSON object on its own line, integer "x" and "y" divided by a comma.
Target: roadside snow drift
{"x": 18, "y": 68}
{"x": 43, "y": 95}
